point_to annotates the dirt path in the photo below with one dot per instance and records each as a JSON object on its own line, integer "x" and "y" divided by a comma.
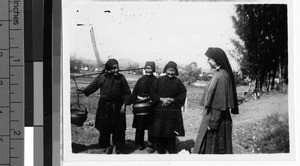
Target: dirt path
{"x": 253, "y": 111}
{"x": 250, "y": 112}
{"x": 261, "y": 108}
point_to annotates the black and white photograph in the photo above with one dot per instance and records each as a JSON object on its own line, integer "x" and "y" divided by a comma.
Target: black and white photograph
{"x": 166, "y": 80}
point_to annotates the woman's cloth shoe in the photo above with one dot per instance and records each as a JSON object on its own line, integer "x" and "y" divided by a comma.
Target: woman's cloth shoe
{"x": 108, "y": 150}
{"x": 117, "y": 149}
{"x": 150, "y": 150}
{"x": 141, "y": 147}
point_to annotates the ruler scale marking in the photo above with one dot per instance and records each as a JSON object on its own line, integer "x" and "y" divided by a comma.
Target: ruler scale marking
{"x": 11, "y": 83}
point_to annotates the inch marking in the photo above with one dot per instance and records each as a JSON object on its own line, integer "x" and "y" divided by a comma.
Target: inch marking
{"x": 17, "y": 65}
{"x": 15, "y": 29}
{"x": 13, "y": 42}
{"x": 9, "y": 52}
{"x": 14, "y": 157}
{"x": 38, "y": 125}
{"x": 17, "y": 139}
{"x": 16, "y": 102}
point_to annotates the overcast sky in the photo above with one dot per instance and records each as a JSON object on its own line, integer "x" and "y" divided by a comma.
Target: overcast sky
{"x": 157, "y": 31}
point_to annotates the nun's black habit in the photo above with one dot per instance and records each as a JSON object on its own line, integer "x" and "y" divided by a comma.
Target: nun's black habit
{"x": 218, "y": 99}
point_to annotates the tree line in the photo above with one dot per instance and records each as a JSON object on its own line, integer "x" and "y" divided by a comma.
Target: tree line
{"x": 261, "y": 48}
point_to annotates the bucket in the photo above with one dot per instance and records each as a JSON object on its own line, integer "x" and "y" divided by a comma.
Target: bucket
{"x": 78, "y": 111}
{"x": 78, "y": 114}
{"x": 142, "y": 107}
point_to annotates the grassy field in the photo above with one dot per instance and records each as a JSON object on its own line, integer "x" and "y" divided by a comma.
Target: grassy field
{"x": 85, "y": 138}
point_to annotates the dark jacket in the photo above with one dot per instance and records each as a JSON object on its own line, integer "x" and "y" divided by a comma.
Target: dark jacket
{"x": 142, "y": 88}
{"x": 114, "y": 92}
{"x": 168, "y": 120}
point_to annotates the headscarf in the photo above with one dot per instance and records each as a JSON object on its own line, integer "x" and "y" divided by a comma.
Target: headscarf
{"x": 109, "y": 64}
{"x": 219, "y": 56}
{"x": 173, "y": 65}
{"x": 152, "y": 64}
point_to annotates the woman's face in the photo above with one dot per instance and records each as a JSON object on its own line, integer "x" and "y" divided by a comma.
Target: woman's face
{"x": 114, "y": 70}
{"x": 170, "y": 72}
{"x": 212, "y": 63}
{"x": 148, "y": 70}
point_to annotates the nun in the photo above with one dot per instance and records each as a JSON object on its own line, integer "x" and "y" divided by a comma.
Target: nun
{"x": 219, "y": 99}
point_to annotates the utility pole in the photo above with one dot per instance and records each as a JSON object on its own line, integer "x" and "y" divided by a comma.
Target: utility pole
{"x": 97, "y": 55}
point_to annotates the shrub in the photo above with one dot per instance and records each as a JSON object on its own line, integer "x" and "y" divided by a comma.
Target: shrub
{"x": 204, "y": 77}
{"x": 271, "y": 135}
{"x": 186, "y": 79}
{"x": 276, "y": 135}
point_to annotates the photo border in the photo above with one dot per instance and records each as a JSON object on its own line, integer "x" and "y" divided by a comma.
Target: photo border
{"x": 69, "y": 157}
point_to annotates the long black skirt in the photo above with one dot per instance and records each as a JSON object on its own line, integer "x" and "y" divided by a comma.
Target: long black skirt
{"x": 218, "y": 141}
{"x": 142, "y": 122}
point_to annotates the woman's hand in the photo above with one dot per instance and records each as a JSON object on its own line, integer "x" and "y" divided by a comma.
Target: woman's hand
{"x": 166, "y": 101}
{"x": 170, "y": 100}
{"x": 79, "y": 91}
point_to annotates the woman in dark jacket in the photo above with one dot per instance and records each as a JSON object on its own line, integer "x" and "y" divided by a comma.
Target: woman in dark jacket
{"x": 219, "y": 98}
{"x": 114, "y": 100}
{"x": 169, "y": 94}
{"x": 142, "y": 108}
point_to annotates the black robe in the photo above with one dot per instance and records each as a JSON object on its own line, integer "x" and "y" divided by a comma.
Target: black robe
{"x": 218, "y": 99}
{"x": 168, "y": 120}
{"x": 114, "y": 92}
{"x": 142, "y": 88}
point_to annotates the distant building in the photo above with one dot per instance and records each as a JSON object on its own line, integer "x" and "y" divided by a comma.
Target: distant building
{"x": 85, "y": 68}
{"x": 96, "y": 69}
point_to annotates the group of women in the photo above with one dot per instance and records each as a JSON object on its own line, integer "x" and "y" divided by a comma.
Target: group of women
{"x": 157, "y": 104}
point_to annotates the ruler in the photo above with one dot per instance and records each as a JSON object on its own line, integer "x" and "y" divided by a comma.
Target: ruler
{"x": 11, "y": 83}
